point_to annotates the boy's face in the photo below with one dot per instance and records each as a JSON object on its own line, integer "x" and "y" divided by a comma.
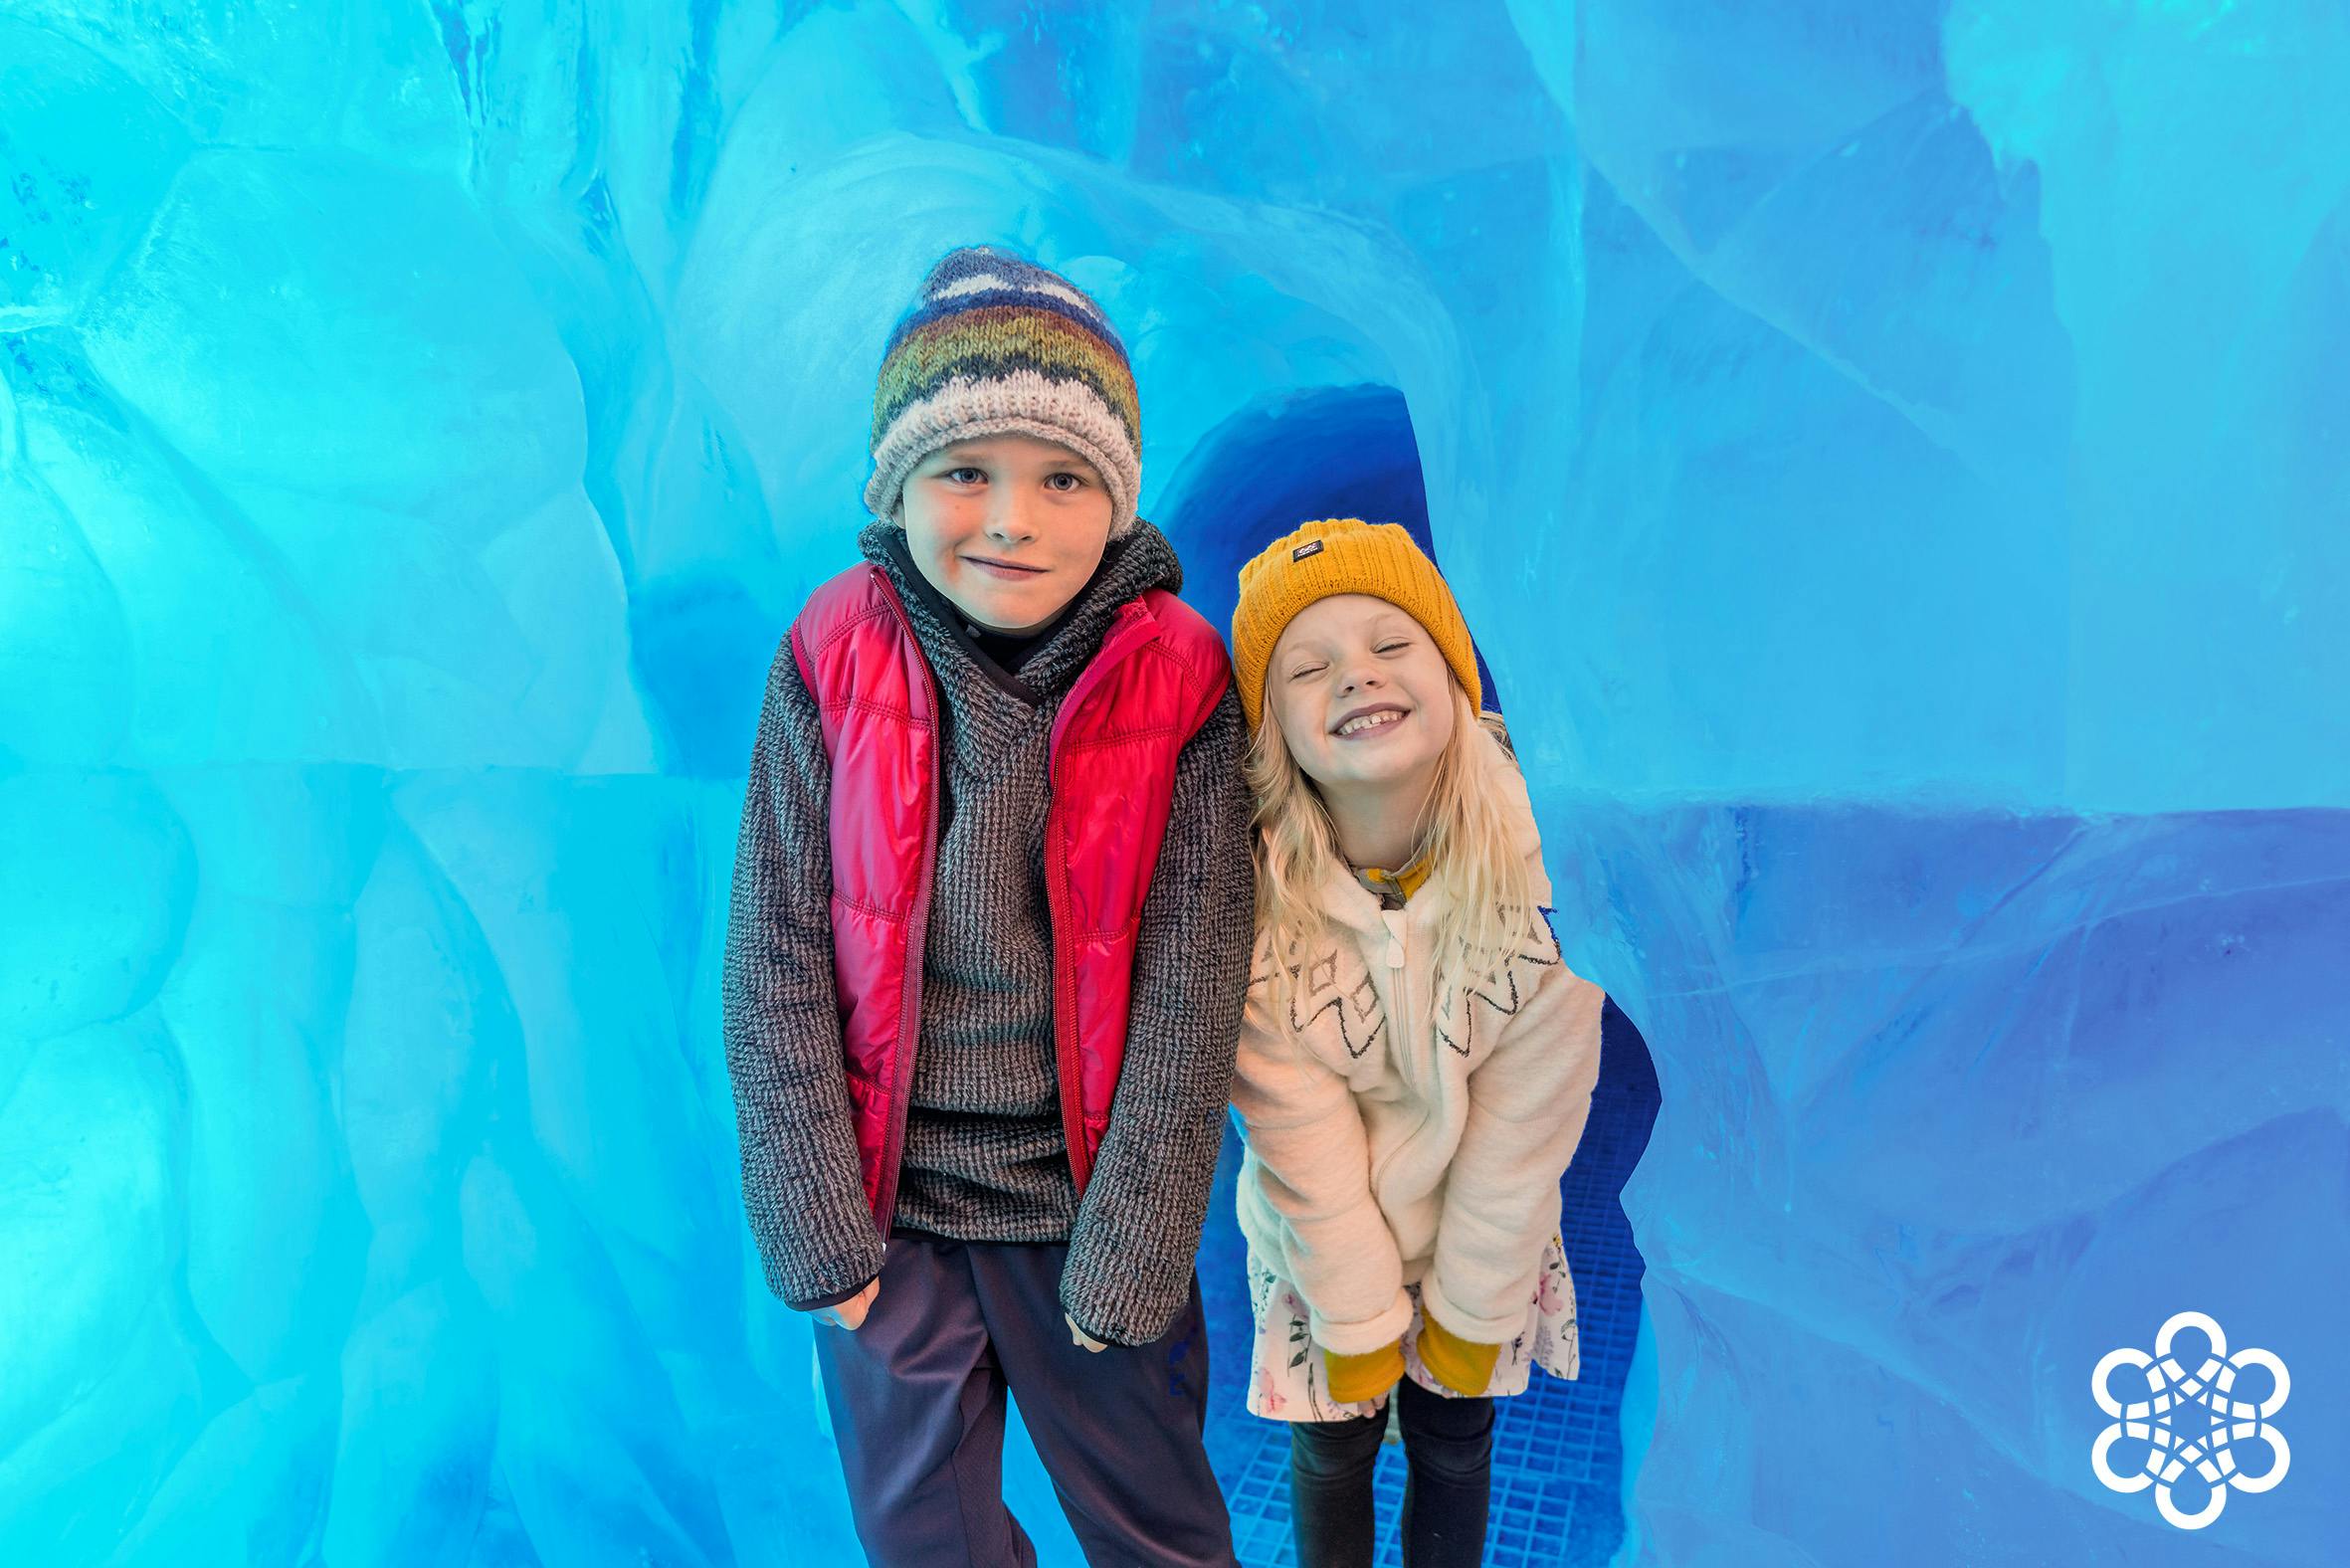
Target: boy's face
{"x": 1363, "y": 695}
{"x": 1007, "y": 527}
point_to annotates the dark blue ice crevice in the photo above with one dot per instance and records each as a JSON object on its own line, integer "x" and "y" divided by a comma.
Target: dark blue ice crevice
{"x": 1323, "y": 452}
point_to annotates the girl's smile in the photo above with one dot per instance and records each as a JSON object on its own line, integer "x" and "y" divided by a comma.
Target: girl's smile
{"x": 1352, "y": 683}
{"x": 1374, "y": 720}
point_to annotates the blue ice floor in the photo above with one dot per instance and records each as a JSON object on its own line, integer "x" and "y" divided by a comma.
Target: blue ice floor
{"x": 1558, "y": 1456}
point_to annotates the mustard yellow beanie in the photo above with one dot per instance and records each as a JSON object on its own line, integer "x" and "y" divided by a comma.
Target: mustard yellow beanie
{"x": 1334, "y": 556}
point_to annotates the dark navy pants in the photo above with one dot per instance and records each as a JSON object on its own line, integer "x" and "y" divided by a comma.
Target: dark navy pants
{"x": 917, "y": 1408}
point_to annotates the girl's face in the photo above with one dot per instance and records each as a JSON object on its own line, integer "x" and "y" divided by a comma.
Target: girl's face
{"x": 1006, "y": 527}
{"x": 1363, "y": 697}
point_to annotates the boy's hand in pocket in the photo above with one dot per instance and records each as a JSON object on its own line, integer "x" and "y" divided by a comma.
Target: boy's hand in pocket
{"x": 1078, "y": 1336}
{"x": 851, "y": 1313}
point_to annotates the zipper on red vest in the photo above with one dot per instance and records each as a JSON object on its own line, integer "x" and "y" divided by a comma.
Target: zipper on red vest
{"x": 917, "y": 930}
{"x": 1135, "y": 627}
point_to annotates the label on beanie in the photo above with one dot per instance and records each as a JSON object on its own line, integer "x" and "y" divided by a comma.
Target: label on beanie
{"x": 1313, "y": 547}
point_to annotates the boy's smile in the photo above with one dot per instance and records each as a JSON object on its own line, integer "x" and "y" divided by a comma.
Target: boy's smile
{"x": 1007, "y": 527}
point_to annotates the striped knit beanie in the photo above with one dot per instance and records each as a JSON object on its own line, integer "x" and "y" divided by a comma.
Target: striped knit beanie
{"x": 1000, "y": 347}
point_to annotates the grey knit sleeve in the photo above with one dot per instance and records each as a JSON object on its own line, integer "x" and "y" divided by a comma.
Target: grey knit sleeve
{"x": 1138, "y": 1231}
{"x": 801, "y": 1181}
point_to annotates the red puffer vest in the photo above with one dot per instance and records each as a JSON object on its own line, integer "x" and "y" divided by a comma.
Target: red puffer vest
{"x": 1160, "y": 673}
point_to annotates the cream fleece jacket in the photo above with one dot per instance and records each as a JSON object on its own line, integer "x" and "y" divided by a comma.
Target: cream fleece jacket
{"x": 1405, "y": 1128}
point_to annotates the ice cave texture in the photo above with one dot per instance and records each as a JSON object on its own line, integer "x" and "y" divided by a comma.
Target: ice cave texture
{"x": 1895, "y": 453}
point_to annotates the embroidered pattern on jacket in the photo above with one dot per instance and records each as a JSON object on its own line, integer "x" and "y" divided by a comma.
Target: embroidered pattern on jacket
{"x": 1456, "y": 1001}
{"x": 1316, "y": 988}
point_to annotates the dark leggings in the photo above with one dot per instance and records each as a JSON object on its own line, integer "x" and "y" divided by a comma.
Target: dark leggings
{"x": 1448, "y": 1461}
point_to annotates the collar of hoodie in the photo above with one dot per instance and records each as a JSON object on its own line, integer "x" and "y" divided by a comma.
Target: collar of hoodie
{"x": 1348, "y": 902}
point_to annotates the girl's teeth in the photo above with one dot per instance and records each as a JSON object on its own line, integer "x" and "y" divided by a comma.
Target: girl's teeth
{"x": 1369, "y": 721}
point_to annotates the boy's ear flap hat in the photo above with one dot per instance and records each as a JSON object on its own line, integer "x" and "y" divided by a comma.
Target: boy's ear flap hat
{"x": 1334, "y": 556}
{"x": 999, "y": 346}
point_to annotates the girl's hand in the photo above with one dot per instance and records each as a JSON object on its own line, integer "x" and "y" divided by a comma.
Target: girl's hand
{"x": 1460, "y": 1366}
{"x": 850, "y": 1315}
{"x": 1357, "y": 1380}
{"x": 1078, "y": 1336}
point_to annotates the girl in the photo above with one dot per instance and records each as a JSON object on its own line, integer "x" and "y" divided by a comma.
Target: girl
{"x": 1416, "y": 1061}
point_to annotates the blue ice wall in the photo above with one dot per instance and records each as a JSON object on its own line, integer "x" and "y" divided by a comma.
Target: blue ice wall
{"x": 1892, "y": 454}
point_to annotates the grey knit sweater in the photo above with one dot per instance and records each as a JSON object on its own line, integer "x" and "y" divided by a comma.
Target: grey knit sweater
{"x": 985, "y": 1159}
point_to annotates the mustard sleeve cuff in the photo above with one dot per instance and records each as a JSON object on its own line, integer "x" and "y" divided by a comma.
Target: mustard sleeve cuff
{"x": 1459, "y": 1365}
{"x": 1354, "y": 1379}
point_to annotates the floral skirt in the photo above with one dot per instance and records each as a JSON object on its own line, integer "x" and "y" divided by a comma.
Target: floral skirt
{"x": 1288, "y": 1380}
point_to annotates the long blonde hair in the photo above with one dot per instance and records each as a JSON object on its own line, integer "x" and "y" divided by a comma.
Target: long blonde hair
{"x": 1466, "y": 832}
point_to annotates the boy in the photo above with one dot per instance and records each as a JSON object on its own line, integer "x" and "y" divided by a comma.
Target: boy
{"x": 989, "y": 947}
